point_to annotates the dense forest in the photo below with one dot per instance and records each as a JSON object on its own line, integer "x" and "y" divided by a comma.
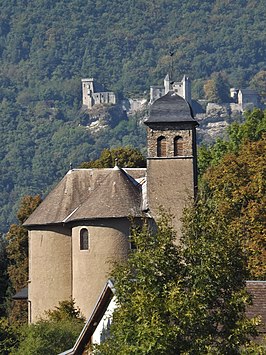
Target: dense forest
{"x": 46, "y": 47}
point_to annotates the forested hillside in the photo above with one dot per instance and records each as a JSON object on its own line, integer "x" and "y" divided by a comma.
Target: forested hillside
{"x": 46, "y": 47}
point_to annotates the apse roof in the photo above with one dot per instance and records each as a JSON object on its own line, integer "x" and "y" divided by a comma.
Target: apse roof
{"x": 170, "y": 108}
{"x": 117, "y": 196}
{"x": 91, "y": 193}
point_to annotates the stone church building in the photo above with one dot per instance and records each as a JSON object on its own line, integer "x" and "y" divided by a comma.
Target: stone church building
{"x": 83, "y": 225}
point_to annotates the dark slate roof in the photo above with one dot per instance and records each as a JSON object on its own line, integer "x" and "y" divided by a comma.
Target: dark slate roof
{"x": 170, "y": 108}
{"x": 68, "y": 197}
{"x": 22, "y": 294}
{"x": 257, "y": 289}
{"x": 248, "y": 91}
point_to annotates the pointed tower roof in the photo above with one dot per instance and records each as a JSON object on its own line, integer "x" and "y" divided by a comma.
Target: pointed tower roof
{"x": 170, "y": 108}
{"x": 117, "y": 196}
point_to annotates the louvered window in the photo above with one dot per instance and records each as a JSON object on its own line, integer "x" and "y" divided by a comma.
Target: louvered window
{"x": 161, "y": 147}
{"x": 178, "y": 146}
{"x": 84, "y": 239}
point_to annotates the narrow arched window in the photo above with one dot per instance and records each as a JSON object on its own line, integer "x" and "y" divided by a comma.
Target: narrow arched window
{"x": 84, "y": 239}
{"x": 161, "y": 147}
{"x": 178, "y": 146}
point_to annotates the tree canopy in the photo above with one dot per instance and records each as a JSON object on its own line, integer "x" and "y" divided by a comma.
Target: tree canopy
{"x": 217, "y": 88}
{"x": 238, "y": 134}
{"x": 125, "y": 157}
{"x": 187, "y": 299}
{"x": 17, "y": 256}
{"x": 54, "y": 334}
{"x": 233, "y": 174}
{"x": 47, "y": 47}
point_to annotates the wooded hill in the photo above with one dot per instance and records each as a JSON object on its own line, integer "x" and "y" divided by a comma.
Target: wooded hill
{"x": 46, "y": 47}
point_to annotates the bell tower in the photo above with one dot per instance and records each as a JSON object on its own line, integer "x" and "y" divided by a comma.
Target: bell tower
{"x": 171, "y": 161}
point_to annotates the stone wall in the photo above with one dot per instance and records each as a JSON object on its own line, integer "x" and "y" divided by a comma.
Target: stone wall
{"x": 171, "y": 180}
{"x": 169, "y": 132}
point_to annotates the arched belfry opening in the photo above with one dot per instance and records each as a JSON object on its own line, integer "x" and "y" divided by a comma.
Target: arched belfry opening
{"x": 161, "y": 146}
{"x": 178, "y": 146}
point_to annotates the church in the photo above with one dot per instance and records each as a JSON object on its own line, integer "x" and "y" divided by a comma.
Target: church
{"x": 83, "y": 225}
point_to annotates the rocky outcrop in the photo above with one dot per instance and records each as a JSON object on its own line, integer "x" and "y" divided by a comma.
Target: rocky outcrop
{"x": 214, "y": 122}
{"x": 104, "y": 115}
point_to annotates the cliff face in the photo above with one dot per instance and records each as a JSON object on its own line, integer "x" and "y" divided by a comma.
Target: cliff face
{"x": 212, "y": 123}
{"x": 104, "y": 115}
{"x": 217, "y": 118}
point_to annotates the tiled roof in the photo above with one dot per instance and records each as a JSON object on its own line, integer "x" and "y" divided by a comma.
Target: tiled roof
{"x": 65, "y": 201}
{"x": 248, "y": 91}
{"x": 170, "y": 108}
{"x": 257, "y": 289}
{"x": 117, "y": 196}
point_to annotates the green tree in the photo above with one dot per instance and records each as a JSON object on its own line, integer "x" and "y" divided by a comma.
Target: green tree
{"x": 237, "y": 184}
{"x": 258, "y": 82}
{"x": 143, "y": 324}
{"x": 125, "y": 157}
{"x": 17, "y": 254}
{"x": 65, "y": 311}
{"x": 52, "y": 335}
{"x": 252, "y": 129}
{"x": 217, "y": 89}
{"x": 216, "y": 270}
{"x": 181, "y": 300}
{"x": 9, "y": 335}
{"x": 3, "y": 275}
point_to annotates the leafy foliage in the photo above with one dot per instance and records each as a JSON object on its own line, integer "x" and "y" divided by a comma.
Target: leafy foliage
{"x": 3, "y": 275}
{"x": 65, "y": 311}
{"x": 53, "y": 335}
{"x": 181, "y": 300}
{"x": 216, "y": 271}
{"x": 8, "y": 336}
{"x": 217, "y": 88}
{"x": 124, "y": 157}
{"x": 251, "y": 130}
{"x": 258, "y": 82}
{"x": 235, "y": 178}
{"x": 47, "y": 47}
{"x": 17, "y": 254}
{"x": 238, "y": 186}
{"x": 52, "y": 338}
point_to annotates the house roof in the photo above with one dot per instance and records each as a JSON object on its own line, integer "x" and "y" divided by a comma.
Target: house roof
{"x": 170, "y": 108}
{"x": 94, "y": 319}
{"x": 90, "y": 193}
{"x": 248, "y": 91}
{"x": 257, "y": 289}
{"x": 21, "y": 294}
